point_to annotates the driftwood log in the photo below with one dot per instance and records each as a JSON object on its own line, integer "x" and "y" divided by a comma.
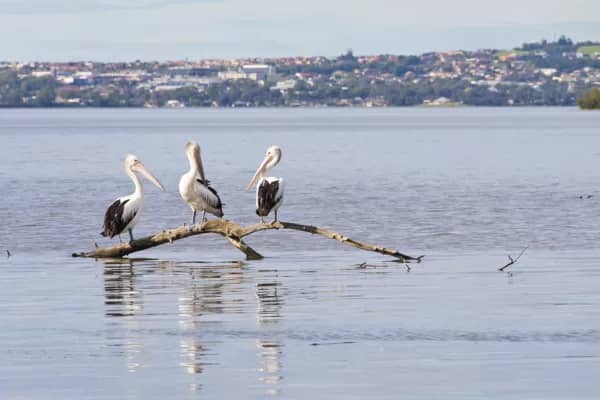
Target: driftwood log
{"x": 234, "y": 233}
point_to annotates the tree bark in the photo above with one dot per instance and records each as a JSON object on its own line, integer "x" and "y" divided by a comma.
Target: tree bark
{"x": 234, "y": 233}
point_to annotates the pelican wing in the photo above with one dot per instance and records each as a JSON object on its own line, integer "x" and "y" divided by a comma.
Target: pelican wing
{"x": 208, "y": 194}
{"x": 268, "y": 194}
{"x": 117, "y": 218}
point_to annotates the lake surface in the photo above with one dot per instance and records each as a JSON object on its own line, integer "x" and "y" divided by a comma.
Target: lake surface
{"x": 193, "y": 319}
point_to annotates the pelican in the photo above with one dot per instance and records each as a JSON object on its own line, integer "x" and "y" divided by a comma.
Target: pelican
{"x": 124, "y": 213}
{"x": 195, "y": 190}
{"x": 269, "y": 190}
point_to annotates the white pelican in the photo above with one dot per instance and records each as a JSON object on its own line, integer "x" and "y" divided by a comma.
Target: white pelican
{"x": 269, "y": 191}
{"x": 124, "y": 213}
{"x": 195, "y": 190}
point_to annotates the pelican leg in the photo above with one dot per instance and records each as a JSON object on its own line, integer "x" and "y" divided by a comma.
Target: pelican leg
{"x": 204, "y": 220}
{"x": 120, "y": 241}
{"x": 275, "y": 216}
{"x": 194, "y": 218}
{"x": 130, "y": 235}
{"x": 262, "y": 220}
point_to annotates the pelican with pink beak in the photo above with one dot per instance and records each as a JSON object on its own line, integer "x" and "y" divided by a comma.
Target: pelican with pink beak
{"x": 124, "y": 214}
{"x": 269, "y": 190}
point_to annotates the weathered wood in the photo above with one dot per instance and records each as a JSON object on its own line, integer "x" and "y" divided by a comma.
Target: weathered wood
{"x": 331, "y": 235}
{"x": 234, "y": 234}
{"x": 250, "y": 253}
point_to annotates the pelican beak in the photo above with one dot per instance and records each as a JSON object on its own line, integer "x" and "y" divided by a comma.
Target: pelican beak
{"x": 198, "y": 161}
{"x": 139, "y": 167}
{"x": 262, "y": 169}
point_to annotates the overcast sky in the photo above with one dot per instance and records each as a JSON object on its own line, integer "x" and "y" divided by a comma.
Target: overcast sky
{"x": 108, "y": 30}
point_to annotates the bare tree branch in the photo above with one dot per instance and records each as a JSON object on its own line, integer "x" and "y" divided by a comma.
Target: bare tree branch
{"x": 234, "y": 234}
{"x": 512, "y": 260}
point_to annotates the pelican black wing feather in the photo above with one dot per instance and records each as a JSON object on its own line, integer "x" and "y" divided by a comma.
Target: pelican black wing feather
{"x": 267, "y": 197}
{"x": 114, "y": 223}
{"x": 206, "y": 184}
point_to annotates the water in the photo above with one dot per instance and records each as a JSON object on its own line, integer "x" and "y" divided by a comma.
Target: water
{"x": 465, "y": 187}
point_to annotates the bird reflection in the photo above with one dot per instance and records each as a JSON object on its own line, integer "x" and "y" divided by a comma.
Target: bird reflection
{"x": 192, "y": 354}
{"x": 206, "y": 294}
{"x": 121, "y": 298}
{"x": 203, "y": 295}
{"x": 270, "y": 301}
{"x": 270, "y": 352}
{"x": 124, "y": 301}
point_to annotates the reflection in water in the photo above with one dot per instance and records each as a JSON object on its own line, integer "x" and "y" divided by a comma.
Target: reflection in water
{"x": 123, "y": 300}
{"x": 203, "y": 295}
{"x": 204, "y": 290}
{"x": 270, "y": 302}
{"x": 192, "y": 354}
{"x": 270, "y": 352}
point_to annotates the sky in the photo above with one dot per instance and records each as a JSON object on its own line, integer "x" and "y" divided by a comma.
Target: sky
{"x": 124, "y": 30}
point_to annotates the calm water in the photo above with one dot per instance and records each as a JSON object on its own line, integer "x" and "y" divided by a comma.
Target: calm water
{"x": 465, "y": 187}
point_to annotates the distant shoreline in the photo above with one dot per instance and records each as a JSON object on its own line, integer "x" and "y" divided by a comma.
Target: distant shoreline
{"x": 417, "y": 106}
{"x": 542, "y": 73}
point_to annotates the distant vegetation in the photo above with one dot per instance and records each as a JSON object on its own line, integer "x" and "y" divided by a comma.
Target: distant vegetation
{"x": 590, "y": 100}
{"x": 589, "y": 50}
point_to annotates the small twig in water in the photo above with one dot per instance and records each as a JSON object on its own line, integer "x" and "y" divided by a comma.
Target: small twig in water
{"x": 512, "y": 260}
{"x": 330, "y": 343}
{"x": 365, "y": 265}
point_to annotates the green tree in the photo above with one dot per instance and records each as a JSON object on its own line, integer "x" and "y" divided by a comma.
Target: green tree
{"x": 45, "y": 97}
{"x": 590, "y": 100}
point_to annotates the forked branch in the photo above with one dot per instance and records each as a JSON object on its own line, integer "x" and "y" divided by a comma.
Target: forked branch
{"x": 234, "y": 234}
{"x": 511, "y": 260}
